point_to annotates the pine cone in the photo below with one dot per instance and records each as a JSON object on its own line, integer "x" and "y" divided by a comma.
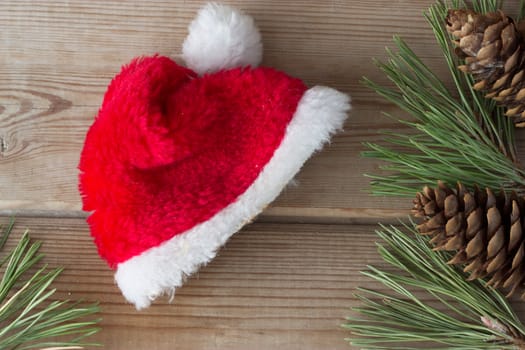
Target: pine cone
{"x": 485, "y": 229}
{"x": 493, "y": 49}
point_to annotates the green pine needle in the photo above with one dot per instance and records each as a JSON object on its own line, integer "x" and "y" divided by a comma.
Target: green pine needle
{"x": 430, "y": 303}
{"x": 456, "y": 135}
{"x": 29, "y": 317}
{"x": 521, "y": 14}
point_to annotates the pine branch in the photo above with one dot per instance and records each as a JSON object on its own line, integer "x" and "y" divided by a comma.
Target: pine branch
{"x": 456, "y": 136}
{"x": 521, "y": 14}
{"x": 29, "y": 317}
{"x": 467, "y": 315}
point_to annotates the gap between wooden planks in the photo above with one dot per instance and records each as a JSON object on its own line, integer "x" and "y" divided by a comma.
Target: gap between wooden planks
{"x": 271, "y": 214}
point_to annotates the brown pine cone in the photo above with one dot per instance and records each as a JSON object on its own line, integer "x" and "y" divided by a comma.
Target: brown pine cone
{"x": 493, "y": 48}
{"x": 485, "y": 229}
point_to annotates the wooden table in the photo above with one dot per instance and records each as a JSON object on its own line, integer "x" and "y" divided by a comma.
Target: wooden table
{"x": 284, "y": 282}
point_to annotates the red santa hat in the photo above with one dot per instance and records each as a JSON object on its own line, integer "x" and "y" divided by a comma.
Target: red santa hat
{"x": 178, "y": 159}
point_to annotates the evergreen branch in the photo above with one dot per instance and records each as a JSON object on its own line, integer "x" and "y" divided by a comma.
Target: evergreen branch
{"x": 521, "y": 14}
{"x": 29, "y": 319}
{"x": 458, "y": 136}
{"x": 465, "y": 314}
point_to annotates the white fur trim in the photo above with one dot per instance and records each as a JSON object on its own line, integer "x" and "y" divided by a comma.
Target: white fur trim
{"x": 221, "y": 37}
{"x": 159, "y": 270}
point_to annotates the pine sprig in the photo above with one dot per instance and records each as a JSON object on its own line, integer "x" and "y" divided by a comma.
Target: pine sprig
{"x": 456, "y": 135}
{"x": 29, "y": 318}
{"x": 429, "y": 302}
{"x": 521, "y": 14}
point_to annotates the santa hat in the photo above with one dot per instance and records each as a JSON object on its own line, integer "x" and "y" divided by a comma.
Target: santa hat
{"x": 178, "y": 159}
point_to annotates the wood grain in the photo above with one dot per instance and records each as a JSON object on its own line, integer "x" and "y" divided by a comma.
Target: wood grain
{"x": 285, "y": 286}
{"x": 286, "y": 282}
{"x": 272, "y": 285}
{"x": 40, "y": 170}
{"x": 56, "y": 58}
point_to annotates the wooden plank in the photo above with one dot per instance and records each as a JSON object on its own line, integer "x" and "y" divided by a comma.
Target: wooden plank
{"x": 283, "y": 286}
{"x": 57, "y": 57}
{"x": 40, "y": 171}
{"x": 41, "y": 168}
{"x": 286, "y": 286}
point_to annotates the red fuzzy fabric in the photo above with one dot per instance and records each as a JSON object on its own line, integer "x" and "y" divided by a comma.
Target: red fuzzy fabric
{"x": 169, "y": 149}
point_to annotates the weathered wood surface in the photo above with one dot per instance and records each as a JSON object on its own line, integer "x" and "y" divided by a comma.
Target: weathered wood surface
{"x": 57, "y": 57}
{"x": 282, "y": 286}
{"x": 277, "y": 284}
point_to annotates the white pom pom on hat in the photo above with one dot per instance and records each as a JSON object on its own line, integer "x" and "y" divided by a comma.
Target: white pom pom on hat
{"x": 221, "y": 37}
